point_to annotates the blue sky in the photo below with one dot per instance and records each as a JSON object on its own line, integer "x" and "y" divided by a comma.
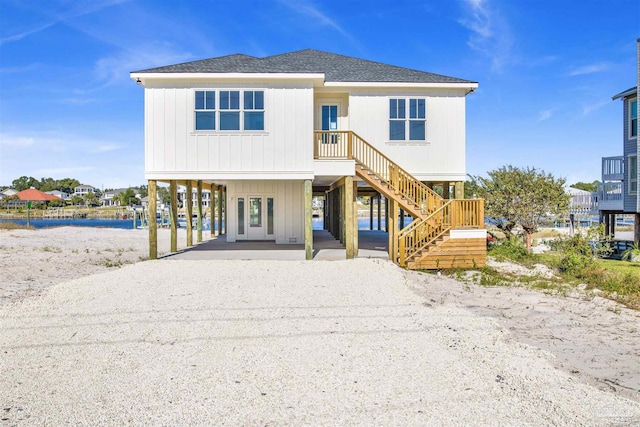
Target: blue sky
{"x": 546, "y": 68}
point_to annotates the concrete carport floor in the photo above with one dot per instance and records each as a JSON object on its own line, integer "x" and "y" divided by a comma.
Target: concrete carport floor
{"x": 372, "y": 244}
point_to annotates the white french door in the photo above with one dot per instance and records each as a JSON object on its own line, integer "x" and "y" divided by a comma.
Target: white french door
{"x": 256, "y": 217}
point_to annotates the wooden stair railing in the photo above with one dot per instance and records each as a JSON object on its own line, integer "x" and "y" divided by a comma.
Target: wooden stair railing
{"x": 422, "y": 234}
{"x": 349, "y": 145}
{"x": 434, "y": 216}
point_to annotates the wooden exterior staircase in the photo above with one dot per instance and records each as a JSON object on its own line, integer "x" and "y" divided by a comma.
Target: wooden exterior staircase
{"x": 426, "y": 242}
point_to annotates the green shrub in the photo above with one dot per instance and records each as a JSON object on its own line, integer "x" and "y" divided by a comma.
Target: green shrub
{"x": 511, "y": 248}
{"x": 576, "y": 263}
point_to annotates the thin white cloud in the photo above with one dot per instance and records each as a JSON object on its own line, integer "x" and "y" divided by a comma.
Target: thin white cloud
{"x": 545, "y": 114}
{"x": 589, "y": 108}
{"x": 77, "y": 101}
{"x": 590, "y": 69}
{"x": 308, "y": 9}
{"x": 113, "y": 69}
{"x": 23, "y": 34}
{"x": 78, "y": 8}
{"x": 22, "y": 69}
{"x": 103, "y": 148}
{"x": 490, "y": 33}
{"x": 12, "y": 141}
{"x": 69, "y": 170}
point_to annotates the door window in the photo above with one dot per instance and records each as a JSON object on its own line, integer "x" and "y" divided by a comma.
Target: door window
{"x": 270, "y": 215}
{"x": 255, "y": 212}
{"x": 241, "y": 215}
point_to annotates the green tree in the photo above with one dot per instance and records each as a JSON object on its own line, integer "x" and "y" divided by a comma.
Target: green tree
{"x": 91, "y": 199}
{"x": 75, "y": 200}
{"x": 163, "y": 195}
{"x": 67, "y": 185}
{"x": 587, "y": 186}
{"x": 515, "y": 196}
{"x": 48, "y": 184}
{"x": 57, "y": 203}
{"x": 471, "y": 187}
{"x": 25, "y": 182}
{"x": 127, "y": 197}
{"x": 144, "y": 192}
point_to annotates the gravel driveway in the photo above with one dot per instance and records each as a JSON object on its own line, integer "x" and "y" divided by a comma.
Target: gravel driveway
{"x": 274, "y": 343}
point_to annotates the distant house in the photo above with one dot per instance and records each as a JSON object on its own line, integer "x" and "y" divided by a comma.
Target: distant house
{"x": 58, "y": 193}
{"x": 582, "y": 202}
{"x": 83, "y": 190}
{"x": 618, "y": 193}
{"x": 108, "y": 197}
{"x": 8, "y": 192}
{"x": 268, "y": 134}
{"x": 5, "y": 194}
{"x": 206, "y": 197}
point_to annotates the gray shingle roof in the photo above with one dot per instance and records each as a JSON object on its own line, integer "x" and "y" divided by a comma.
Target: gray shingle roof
{"x": 337, "y": 68}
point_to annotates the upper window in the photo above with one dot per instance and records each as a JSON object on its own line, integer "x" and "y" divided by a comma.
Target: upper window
{"x": 633, "y": 174}
{"x": 633, "y": 118}
{"x": 229, "y": 115}
{"x": 205, "y": 110}
{"x": 253, "y": 110}
{"x": 229, "y": 110}
{"x": 411, "y": 127}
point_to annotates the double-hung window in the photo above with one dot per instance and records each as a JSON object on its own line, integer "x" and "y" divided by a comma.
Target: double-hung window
{"x": 253, "y": 110}
{"x": 236, "y": 110}
{"x": 229, "y": 110}
{"x": 407, "y": 127}
{"x": 633, "y": 174}
{"x": 633, "y": 118}
{"x": 205, "y": 110}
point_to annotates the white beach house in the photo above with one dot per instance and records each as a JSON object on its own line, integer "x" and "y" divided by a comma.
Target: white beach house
{"x": 269, "y": 133}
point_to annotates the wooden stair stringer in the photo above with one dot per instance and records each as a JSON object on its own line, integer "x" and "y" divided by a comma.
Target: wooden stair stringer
{"x": 383, "y": 188}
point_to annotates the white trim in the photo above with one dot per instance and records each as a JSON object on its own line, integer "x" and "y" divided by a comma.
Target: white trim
{"x": 633, "y": 158}
{"x": 221, "y": 76}
{"x": 468, "y": 234}
{"x": 334, "y": 167}
{"x": 407, "y": 121}
{"x": 469, "y": 86}
{"x": 629, "y": 101}
{"x": 228, "y": 175}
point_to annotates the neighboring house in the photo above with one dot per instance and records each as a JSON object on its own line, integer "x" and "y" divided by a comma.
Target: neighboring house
{"x": 582, "y": 202}
{"x": 109, "y": 196}
{"x": 618, "y": 193}
{"x": 8, "y": 192}
{"x": 206, "y": 197}
{"x": 269, "y": 133}
{"x": 5, "y": 194}
{"x": 83, "y": 190}
{"x": 58, "y": 193}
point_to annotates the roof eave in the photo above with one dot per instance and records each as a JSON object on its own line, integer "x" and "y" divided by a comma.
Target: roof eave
{"x": 142, "y": 78}
{"x": 471, "y": 86}
{"x": 628, "y": 92}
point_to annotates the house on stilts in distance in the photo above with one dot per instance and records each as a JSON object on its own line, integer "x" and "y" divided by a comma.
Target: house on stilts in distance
{"x": 618, "y": 192}
{"x": 267, "y": 134}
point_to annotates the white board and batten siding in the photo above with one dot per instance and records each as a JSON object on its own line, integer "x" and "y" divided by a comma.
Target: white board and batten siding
{"x": 288, "y": 207}
{"x": 441, "y": 156}
{"x": 175, "y": 150}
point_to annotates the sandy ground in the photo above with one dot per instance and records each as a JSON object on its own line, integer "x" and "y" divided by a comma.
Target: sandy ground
{"x": 33, "y": 260}
{"x": 343, "y": 342}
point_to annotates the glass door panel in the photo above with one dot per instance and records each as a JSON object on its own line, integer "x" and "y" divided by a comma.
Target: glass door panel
{"x": 329, "y": 123}
{"x": 255, "y": 212}
{"x": 270, "y": 215}
{"x": 240, "y": 216}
